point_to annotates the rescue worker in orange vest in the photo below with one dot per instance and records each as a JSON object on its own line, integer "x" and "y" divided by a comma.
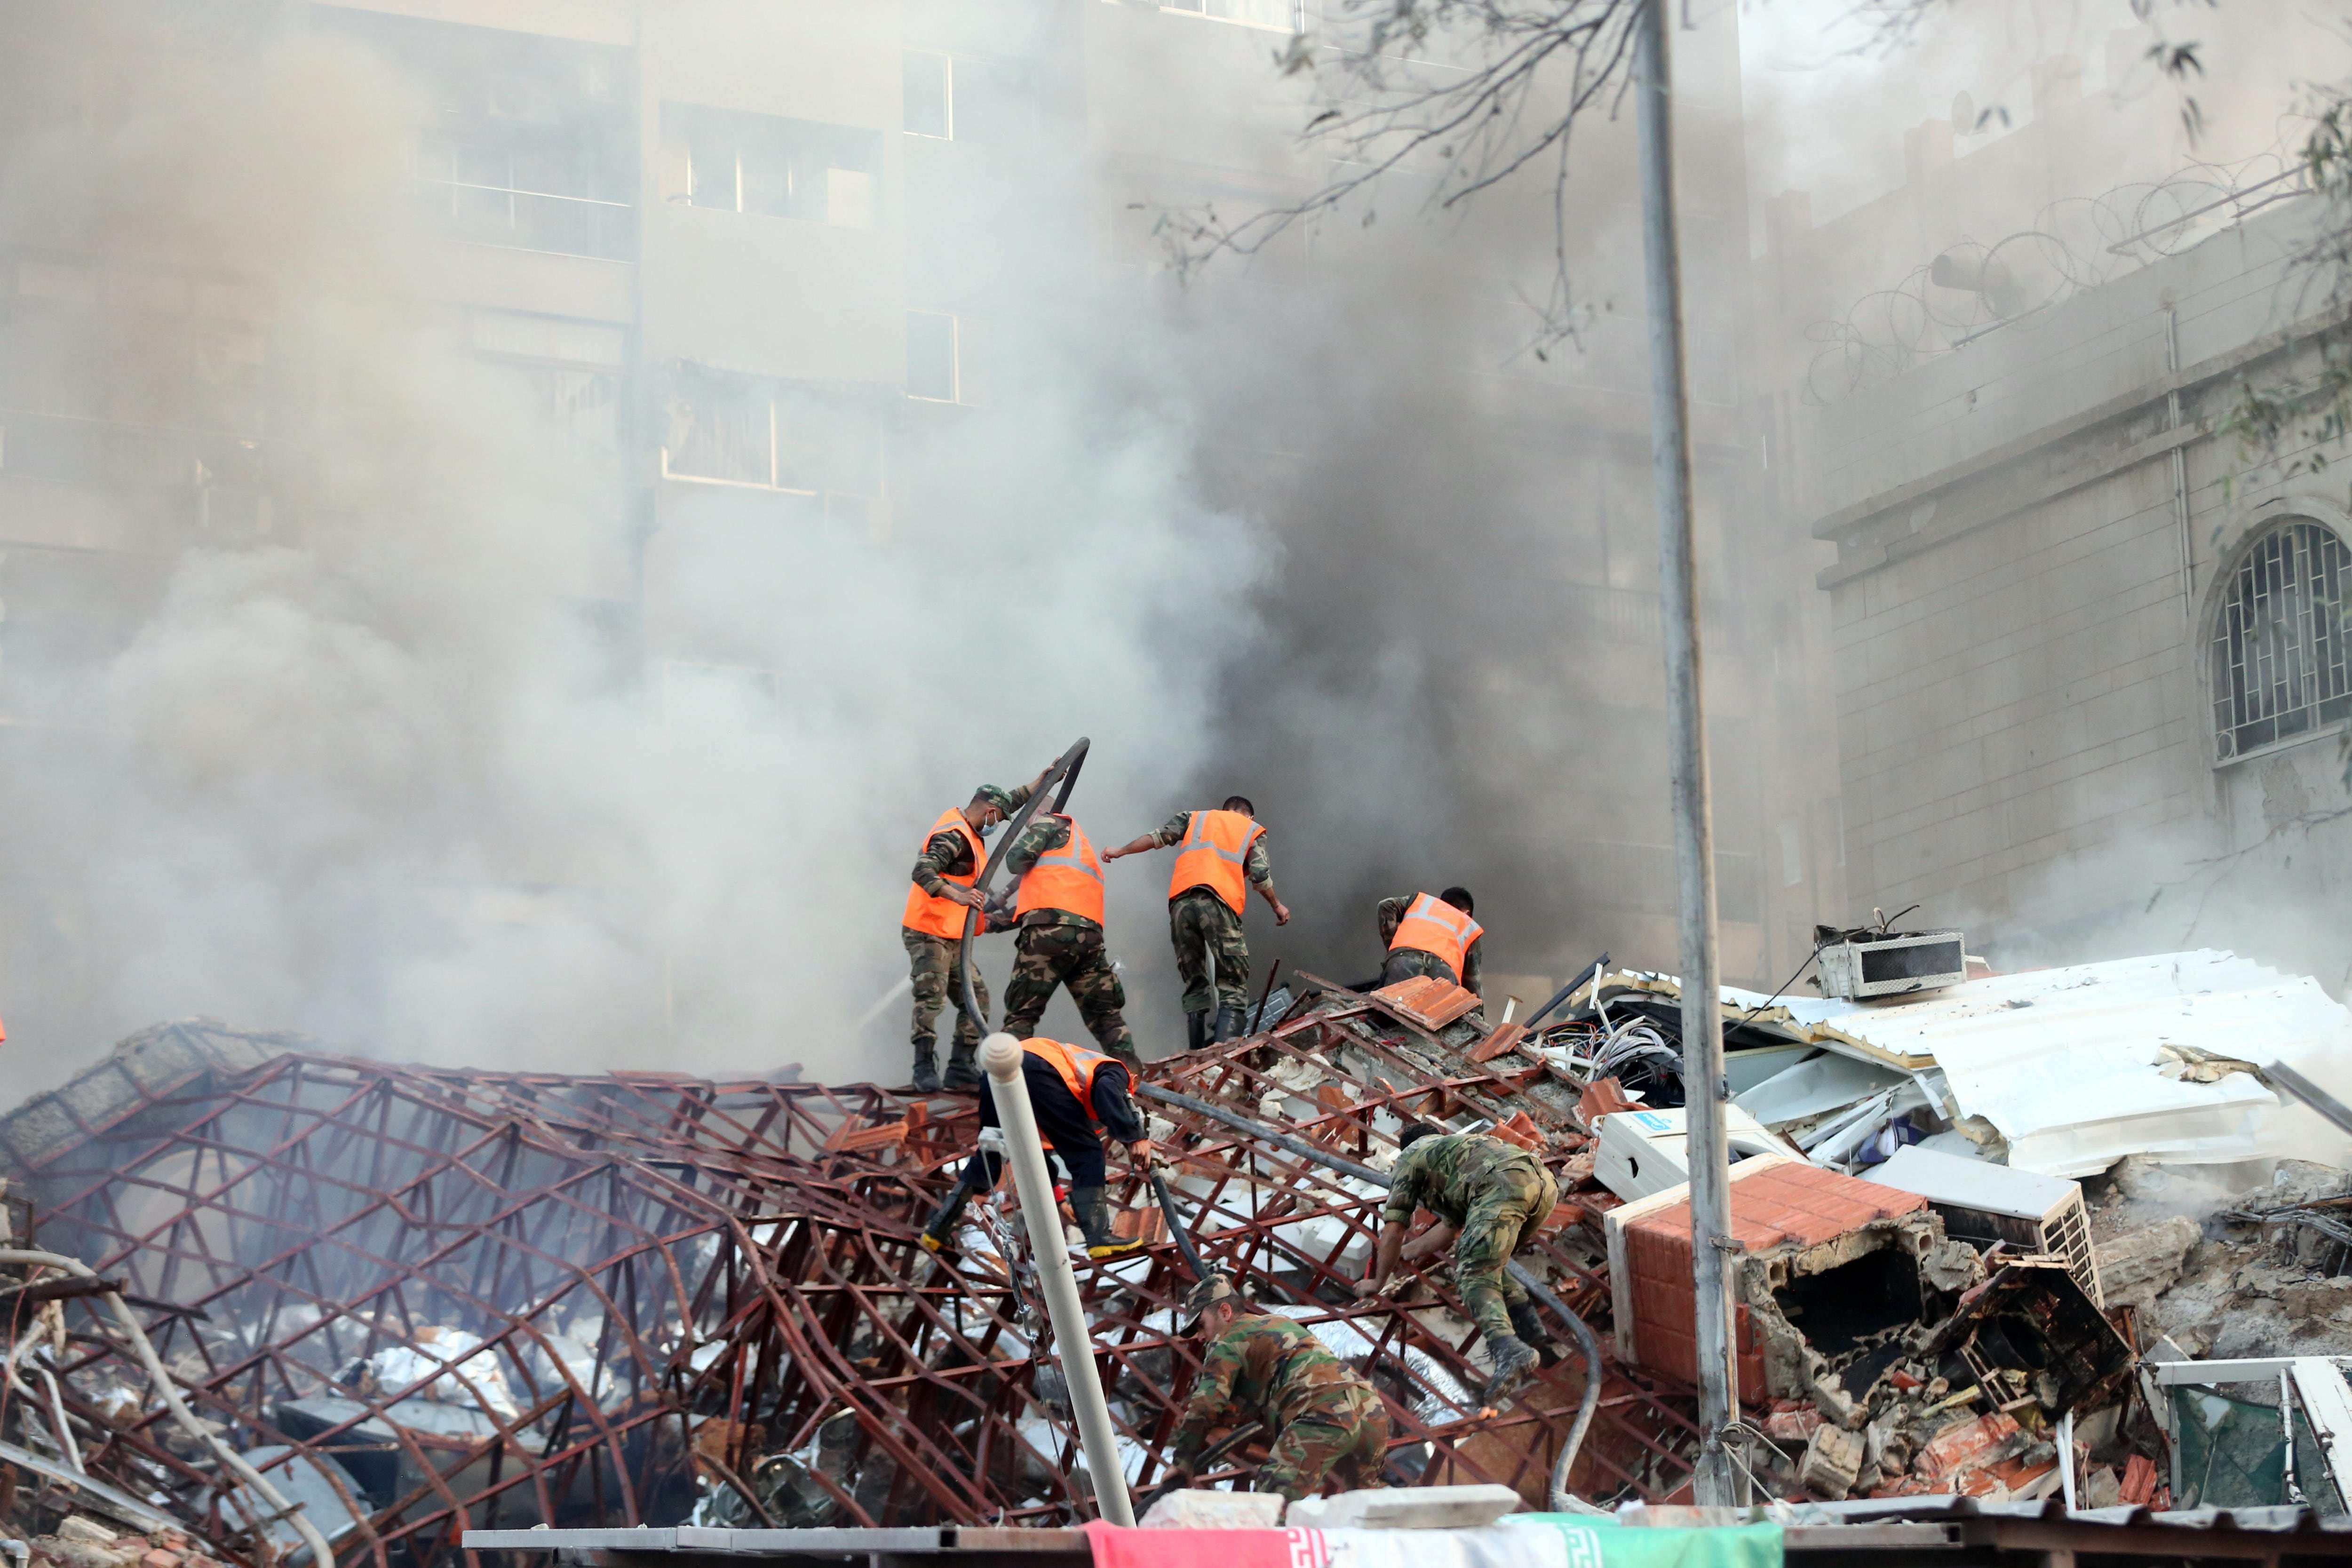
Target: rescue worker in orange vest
{"x": 933, "y": 928}
{"x": 1434, "y": 936}
{"x": 1077, "y": 1094}
{"x": 1060, "y": 912}
{"x": 1220, "y": 856}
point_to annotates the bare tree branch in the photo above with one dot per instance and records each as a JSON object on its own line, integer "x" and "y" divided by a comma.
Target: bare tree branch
{"x": 1479, "y": 92}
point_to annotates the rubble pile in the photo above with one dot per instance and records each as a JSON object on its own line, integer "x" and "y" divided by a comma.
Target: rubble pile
{"x": 424, "y": 1300}
{"x": 417, "y": 1300}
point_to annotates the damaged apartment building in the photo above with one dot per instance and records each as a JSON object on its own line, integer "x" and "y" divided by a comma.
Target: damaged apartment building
{"x": 743, "y": 260}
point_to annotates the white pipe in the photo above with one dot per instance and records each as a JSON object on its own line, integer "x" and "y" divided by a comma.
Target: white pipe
{"x": 1001, "y": 1056}
{"x": 321, "y": 1554}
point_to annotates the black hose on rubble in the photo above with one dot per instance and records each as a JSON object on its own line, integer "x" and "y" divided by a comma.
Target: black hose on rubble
{"x": 1536, "y": 1287}
{"x": 1065, "y": 771}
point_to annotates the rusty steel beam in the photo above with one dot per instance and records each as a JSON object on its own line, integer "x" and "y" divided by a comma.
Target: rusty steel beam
{"x": 461, "y": 1299}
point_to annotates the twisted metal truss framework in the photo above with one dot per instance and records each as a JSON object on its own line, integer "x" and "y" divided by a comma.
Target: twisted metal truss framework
{"x": 428, "y": 1299}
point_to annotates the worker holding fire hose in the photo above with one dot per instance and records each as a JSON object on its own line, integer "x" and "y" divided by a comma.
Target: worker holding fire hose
{"x": 1077, "y": 1094}
{"x": 1059, "y": 908}
{"x": 1489, "y": 1198}
{"x": 1220, "y": 856}
{"x": 933, "y": 928}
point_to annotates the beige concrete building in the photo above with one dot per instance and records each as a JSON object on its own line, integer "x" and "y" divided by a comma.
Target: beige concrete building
{"x": 2090, "y": 684}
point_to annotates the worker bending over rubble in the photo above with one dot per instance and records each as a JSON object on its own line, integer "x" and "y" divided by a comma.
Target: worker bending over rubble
{"x": 1436, "y": 936}
{"x": 1060, "y": 912}
{"x": 933, "y": 928}
{"x": 1076, "y": 1094}
{"x": 1220, "y": 856}
{"x": 1489, "y": 1196}
{"x": 1322, "y": 1417}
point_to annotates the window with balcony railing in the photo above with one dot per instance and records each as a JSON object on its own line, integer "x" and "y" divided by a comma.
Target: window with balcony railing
{"x": 532, "y": 141}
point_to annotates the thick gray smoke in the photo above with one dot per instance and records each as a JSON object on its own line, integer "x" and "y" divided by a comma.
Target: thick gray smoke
{"x": 381, "y": 771}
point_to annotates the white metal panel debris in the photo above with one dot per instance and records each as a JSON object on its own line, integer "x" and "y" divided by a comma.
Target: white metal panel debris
{"x": 2079, "y": 1067}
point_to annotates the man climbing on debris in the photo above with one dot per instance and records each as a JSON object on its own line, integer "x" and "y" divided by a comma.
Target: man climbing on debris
{"x": 1432, "y": 935}
{"x": 1220, "y": 856}
{"x": 933, "y": 928}
{"x": 1077, "y": 1094}
{"x": 1325, "y": 1421}
{"x": 1060, "y": 913}
{"x": 1489, "y": 1196}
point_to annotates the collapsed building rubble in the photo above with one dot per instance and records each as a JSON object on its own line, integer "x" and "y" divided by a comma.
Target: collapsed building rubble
{"x": 420, "y": 1299}
{"x": 417, "y": 1300}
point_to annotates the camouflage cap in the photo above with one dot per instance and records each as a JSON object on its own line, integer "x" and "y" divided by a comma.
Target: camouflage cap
{"x": 1000, "y": 798}
{"x": 1210, "y": 1291}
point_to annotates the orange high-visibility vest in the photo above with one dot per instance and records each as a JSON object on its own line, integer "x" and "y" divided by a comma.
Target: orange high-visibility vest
{"x": 1431, "y": 925}
{"x": 1210, "y": 854}
{"x": 1077, "y": 1066}
{"x": 1068, "y": 879}
{"x": 944, "y": 917}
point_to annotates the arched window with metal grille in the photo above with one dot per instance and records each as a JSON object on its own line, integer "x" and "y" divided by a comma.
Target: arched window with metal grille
{"x": 2280, "y": 639}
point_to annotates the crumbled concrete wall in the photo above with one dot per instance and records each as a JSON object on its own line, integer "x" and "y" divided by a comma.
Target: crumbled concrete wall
{"x": 157, "y": 1061}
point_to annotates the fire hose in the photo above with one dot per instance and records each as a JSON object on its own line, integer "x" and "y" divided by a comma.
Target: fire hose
{"x": 1064, "y": 772}
{"x": 1586, "y": 1343}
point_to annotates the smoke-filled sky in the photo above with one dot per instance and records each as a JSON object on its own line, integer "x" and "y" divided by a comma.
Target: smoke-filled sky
{"x": 1829, "y": 91}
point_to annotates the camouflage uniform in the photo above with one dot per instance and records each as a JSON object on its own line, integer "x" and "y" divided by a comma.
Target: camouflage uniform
{"x": 1495, "y": 1194}
{"x": 1405, "y": 962}
{"x": 1205, "y": 928}
{"x": 1325, "y": 1420}
{"x": 1058, "y": 948}
{"x": 931, "y": 960}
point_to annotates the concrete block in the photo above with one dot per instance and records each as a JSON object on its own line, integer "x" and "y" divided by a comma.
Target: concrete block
{"x": 157, "y": 1060}
{"x": 38, "y": 1130}
{"x": 1833, "y": 1459}
{"x": 100, "y": 1095}
{"x": 1190, "y": 1510}
{"x": 2140, "y": 1265}
{"x": 1405, "y": 1508}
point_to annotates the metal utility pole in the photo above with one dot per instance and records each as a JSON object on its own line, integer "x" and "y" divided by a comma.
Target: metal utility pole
{"x": 1710, "y": 1185}
{"x": 1074, "y": 1347}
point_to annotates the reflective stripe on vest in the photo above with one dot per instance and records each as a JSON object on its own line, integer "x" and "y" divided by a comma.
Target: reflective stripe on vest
{"x": 1068, "y": 879}
{"x": 1077, "y": 1066}
{"x": 1431, "y": 925}
{"x": 1211, "y": 855}
{"x": 944, "y": 917}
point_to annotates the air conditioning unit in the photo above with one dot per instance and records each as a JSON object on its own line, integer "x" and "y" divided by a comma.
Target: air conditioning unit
{"x": 1892, "y": 966}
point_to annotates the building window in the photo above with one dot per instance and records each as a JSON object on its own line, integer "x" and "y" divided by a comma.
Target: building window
{"x": 772, "y": 435}
{"x": 1288, "y": 15}
{"x": 773, "y": 167}
{"x": 932, "y": 356}
{"x": 929, "y": 109}
{"x": 2279, "y": 668}
{"x": 955, "y": 98}
{"x": 533, "y": 144}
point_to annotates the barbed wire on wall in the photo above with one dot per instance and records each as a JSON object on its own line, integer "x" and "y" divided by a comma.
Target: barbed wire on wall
{"x": 1972, "y": 289}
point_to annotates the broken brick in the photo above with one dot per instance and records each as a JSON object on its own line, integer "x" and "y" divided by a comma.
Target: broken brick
{"x": 1972, "y": 1445}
